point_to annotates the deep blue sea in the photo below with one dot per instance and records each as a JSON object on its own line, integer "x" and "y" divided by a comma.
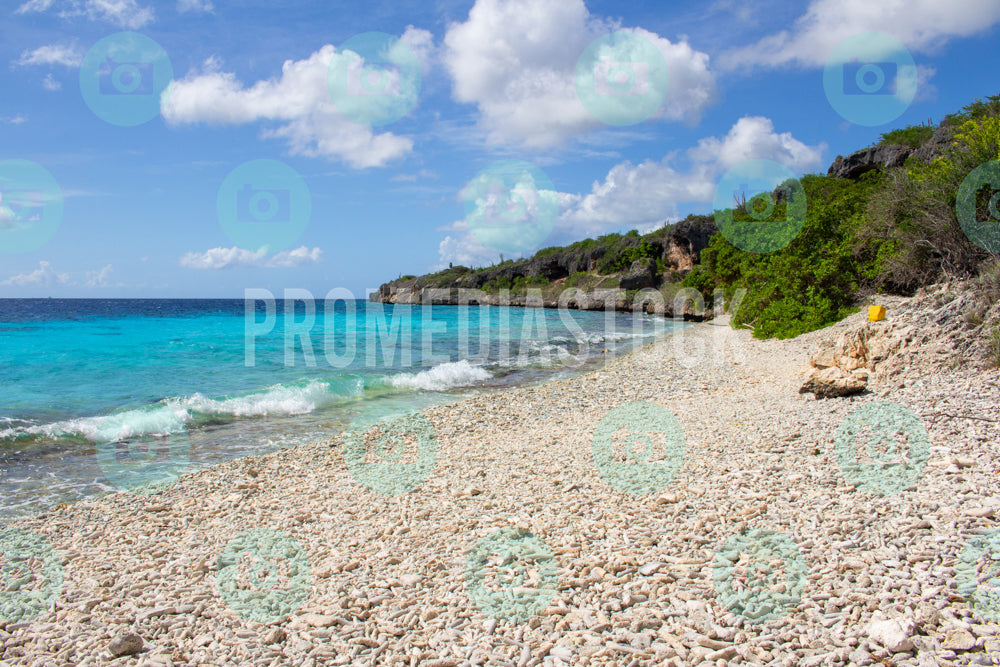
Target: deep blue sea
{"x": 209, "y": 380}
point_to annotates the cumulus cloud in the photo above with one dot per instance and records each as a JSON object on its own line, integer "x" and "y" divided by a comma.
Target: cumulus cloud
{"x": 124, "y": 13}
{"x": 199, "y": 6}
{"x": 43, "y": 276}
{"x": 98, "y": 278}
{"x": 642, "y": 196}
{"x": 65, "y": 55}
{"x": 516, "y": 59}
{"x": 299, "y": 102}
{"x": 226, "y": 258}
{"x": 50, "y": 83}
{"x": 920, "y": 25}
{"x": 465, "y": 250}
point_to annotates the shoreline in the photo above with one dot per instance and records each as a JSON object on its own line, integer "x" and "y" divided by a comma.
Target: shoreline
{"x": 635, "y": 573}
{"x": 231, "y": 436}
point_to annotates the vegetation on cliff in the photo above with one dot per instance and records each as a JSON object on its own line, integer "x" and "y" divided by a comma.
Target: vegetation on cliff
{"x": 883, "y": 220}
{"x": 891, "y": 230}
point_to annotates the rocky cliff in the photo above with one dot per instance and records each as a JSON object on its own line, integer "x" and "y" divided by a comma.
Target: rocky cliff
{"x": 661, "y": 257}
{"x": 885, "y": 156}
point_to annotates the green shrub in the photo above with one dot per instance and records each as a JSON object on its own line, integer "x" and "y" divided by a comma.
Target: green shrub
{"x": 914, "y": 136}
{"x": 806, "y": 285}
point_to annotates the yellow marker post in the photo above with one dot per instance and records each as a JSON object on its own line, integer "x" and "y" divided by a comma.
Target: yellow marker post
{"x": 876, "y": 313}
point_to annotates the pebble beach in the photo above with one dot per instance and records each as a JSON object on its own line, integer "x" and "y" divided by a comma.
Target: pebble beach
{"x": 846, "y": 573}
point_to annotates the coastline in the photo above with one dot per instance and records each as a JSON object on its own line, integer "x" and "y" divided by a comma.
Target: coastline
{"x": 635, "y": 573}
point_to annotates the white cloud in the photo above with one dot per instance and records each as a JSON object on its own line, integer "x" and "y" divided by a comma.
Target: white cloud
{"x": 299, "y": 101}
{"x": 51, "y": 54}
{"x": 754, "y": 138}
{"x": 465, "y": 250}
{"x": 50, "y": 83}
{"x": 201, "y": 6}
{"x": 226, "y": 258}
{"x": 123, "y": 13}
{"x": 920, "y": 25}
{"x": 412, "y": 178}
{"x": 515, "y": 60}
{"x": 42, "y": 276}
{"x": 642, "y": 196}
{"x": 13, "y": 120}
{"x": 98, "y": 278}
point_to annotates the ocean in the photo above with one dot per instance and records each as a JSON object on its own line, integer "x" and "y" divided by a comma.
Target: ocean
{"x": 99, "y": 395}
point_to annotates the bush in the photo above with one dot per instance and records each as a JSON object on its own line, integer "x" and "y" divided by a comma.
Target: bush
{"x": 914, "y": 136}
{"x": 808, "y": 284}
{"x": 910, "y": 232}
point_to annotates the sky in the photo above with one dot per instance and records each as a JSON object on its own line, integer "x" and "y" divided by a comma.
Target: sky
{"x": 198, "y": 148}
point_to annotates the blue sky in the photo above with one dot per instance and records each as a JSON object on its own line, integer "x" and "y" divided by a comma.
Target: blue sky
{"x": 141, "y": 212}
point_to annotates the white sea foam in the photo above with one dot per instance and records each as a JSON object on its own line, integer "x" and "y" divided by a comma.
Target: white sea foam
{"x": 278, "y": 400}
{"x": 439, "y": 378}
{"x": 174, "y": 414}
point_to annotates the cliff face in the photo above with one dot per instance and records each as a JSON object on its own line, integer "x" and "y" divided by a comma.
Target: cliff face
{"x": 667, "y": 254}
{"x": 885, "y": 156}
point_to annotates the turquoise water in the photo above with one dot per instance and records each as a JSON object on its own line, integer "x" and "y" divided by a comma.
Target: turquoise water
{"x": 224, "y": 380}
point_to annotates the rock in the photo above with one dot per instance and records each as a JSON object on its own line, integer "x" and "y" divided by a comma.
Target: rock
{"x": 127, "y": 643}
{"x": 959, "y": 640}
{"x": 318, "y": 620}
{"x": 641, "y": 274}
{"x": 564, "y": 653}
{"x": 893, "y": 633}
{"x": 274, "y": 636}
{"x": 678, "y": 247}
{"x": 981, "y": 512}
{"x": 833, "y": 383}
{"x": 867, "y": 159}
{"x": 727, "y": 653}
{"x": 650, "y": 568}
{"x": 823, "y": 359}
{"x": 938, "y": 145}
{"x": 713, "y": 644}
{"x": 410, "y": 579}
